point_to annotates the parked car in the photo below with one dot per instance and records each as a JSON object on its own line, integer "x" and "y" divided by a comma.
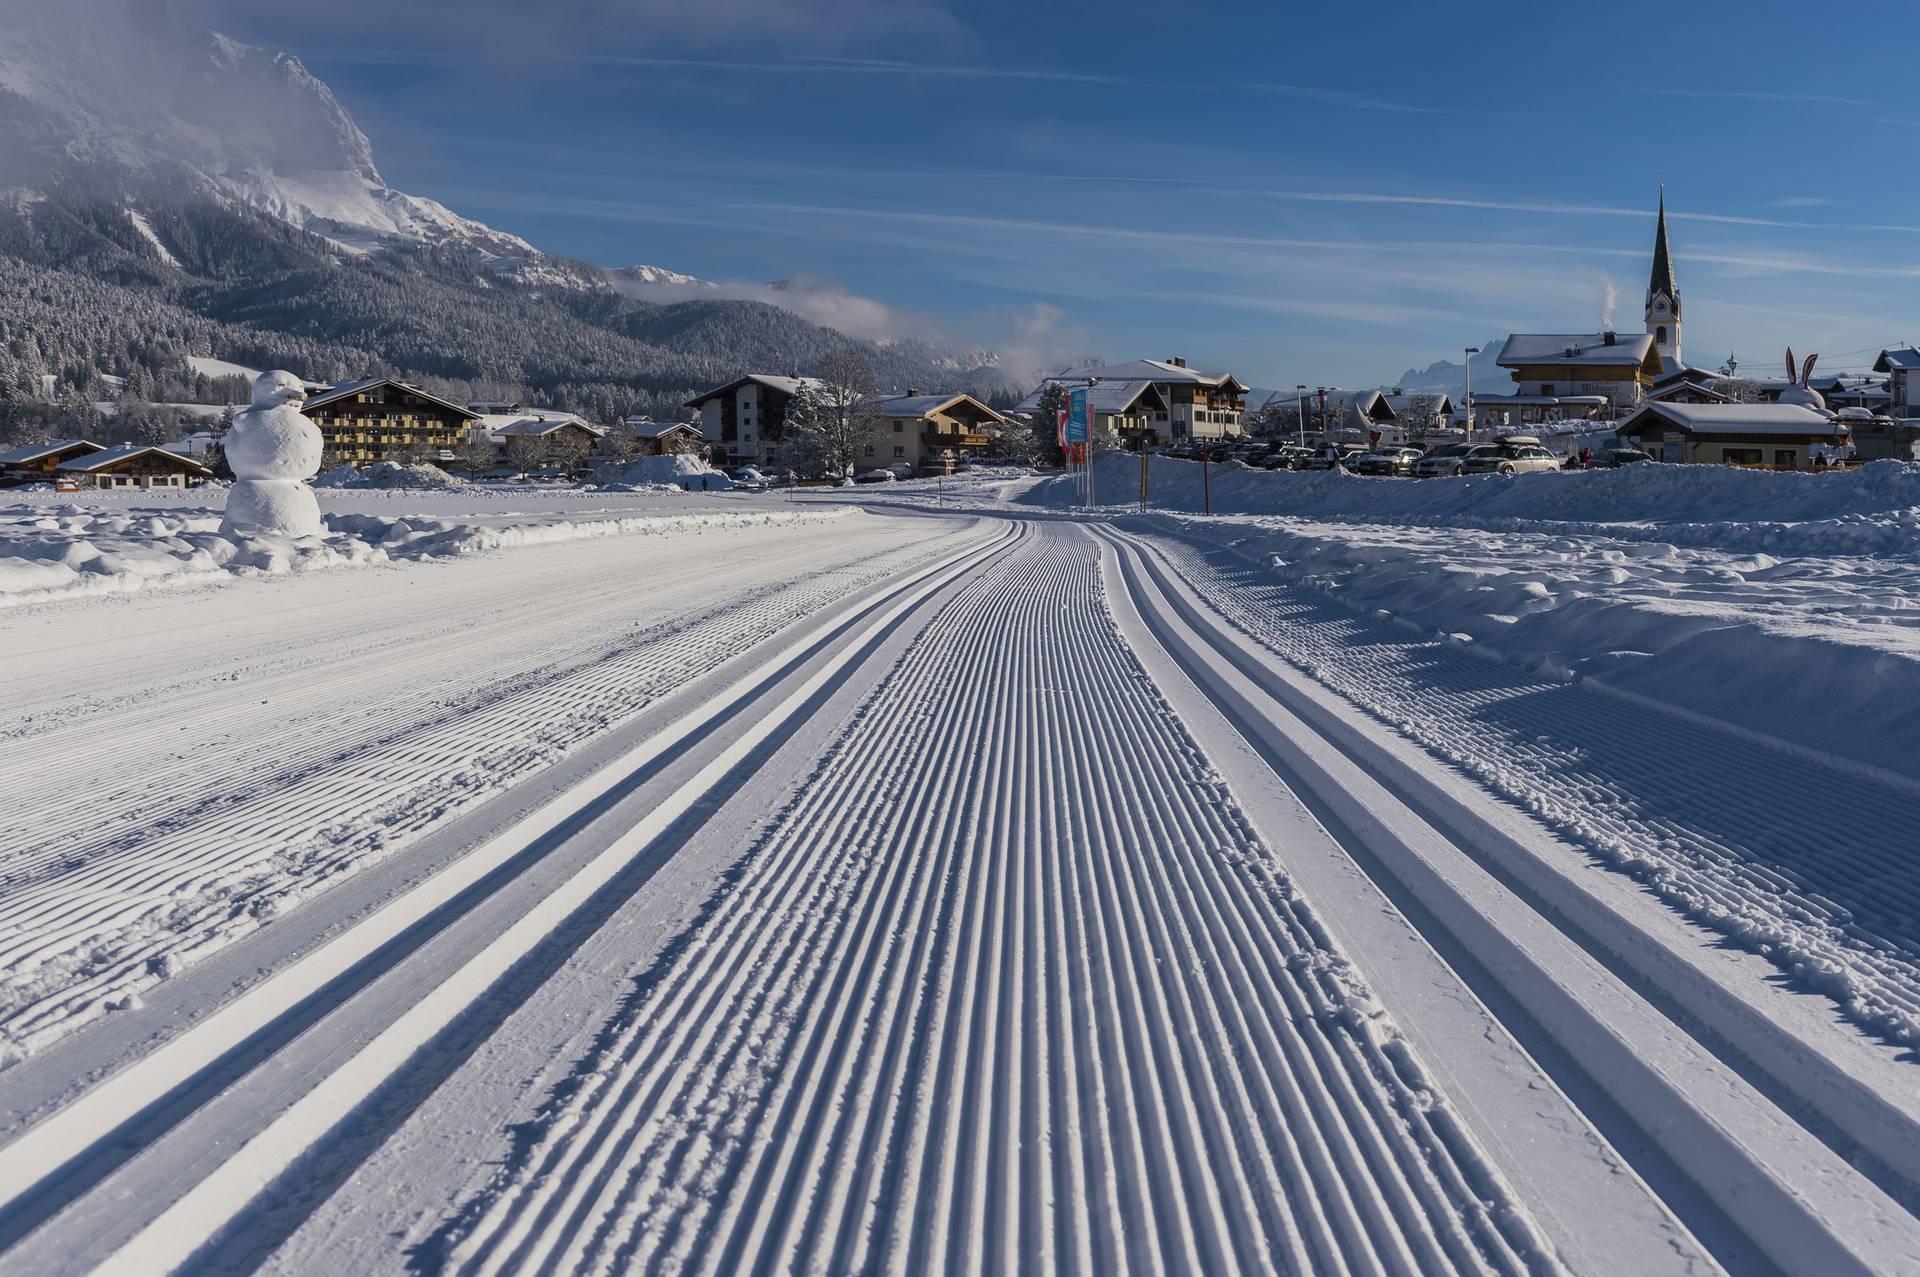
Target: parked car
{"x": 876, "y": 476}
{"x": 747, "y": 478}
{"x": 1448, "y": 459}
{"x": 1611, "y": 457}
{"x": 1515, "y": 454}
{"x": 1345, "y": 452}
{"x": 1386, "y": 461}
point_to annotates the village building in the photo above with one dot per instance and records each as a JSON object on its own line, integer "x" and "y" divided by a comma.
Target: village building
{"x": 1557, "y": 375}
{"x": 926, "y": 432}
{"x": 133, "y": 465}
{"x": 1196, "y": 405}
{"x": 37, "y": 462}
{"x": 366, "y": 421}
{"x": 744, "y": 418}
{"x": 1128, "y": 409}
{"x": 1769, "y": 436}
{"x": 1901, "y": 367}
{"x": 665, "y": 438}
{"x": 546, "y": 430}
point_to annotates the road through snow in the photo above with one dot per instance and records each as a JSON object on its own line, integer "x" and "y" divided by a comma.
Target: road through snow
{"x": 995, "y": 893}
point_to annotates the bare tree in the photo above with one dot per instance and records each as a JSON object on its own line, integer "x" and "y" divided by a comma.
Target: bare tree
{"x": 620, "y": 444}
{"x": 567, "y": 450}
{"x": 476, "y": 452}
{"x": 526, "y": 452}
{"x": 827, "y": 427}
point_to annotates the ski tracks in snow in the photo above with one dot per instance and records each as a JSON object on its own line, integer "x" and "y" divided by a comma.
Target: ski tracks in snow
{"x": 1010, "y": 987}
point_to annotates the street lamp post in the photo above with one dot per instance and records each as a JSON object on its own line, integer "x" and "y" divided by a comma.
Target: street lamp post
{"x": 1471, "y": 352}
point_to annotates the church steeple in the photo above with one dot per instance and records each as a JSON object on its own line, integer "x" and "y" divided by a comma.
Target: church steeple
{"x": 1663, "y": 295}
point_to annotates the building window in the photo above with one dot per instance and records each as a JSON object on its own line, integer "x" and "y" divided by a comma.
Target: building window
{"x": 1741, "y": 456}
{"x": 869, "y": 450}
{"x": 1660, "y": 335}
{"x": 898, "y": 426}
{"x": 899, "y": 451}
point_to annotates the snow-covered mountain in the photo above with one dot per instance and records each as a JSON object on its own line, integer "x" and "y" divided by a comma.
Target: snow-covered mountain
{"x": 97, "y": 104}
{"x": 1447, "y": 375}
{"x": 656, "y": 277}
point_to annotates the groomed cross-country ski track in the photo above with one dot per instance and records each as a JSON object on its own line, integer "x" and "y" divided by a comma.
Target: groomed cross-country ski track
{"x": 912, "y": 890}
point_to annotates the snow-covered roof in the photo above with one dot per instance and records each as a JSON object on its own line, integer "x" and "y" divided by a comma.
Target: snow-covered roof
{"x": 1908, "y": 357}
{"x": 1574, "y": 348}
{"x": 346, "y": 388}
{"x": 1737, "y": 419}
{"x": 1110, "y": 397}
{"x": 645, "y": 429}
{"x": 1155, "y": 371}
{"x": 538, "y": 422}
{"x": 125, "y": 452}
{"x": 785, "y": 385}
{"x": 33, "y": 452}
{"x": 540, "y": 427}
{"x": 916, "y": 406}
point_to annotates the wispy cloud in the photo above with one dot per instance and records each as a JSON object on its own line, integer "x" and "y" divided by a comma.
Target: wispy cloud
{"x": 1750, "y": 95}
{"x": 820, "y": 66}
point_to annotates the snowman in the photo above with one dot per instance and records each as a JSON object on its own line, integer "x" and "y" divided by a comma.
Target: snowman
{"x": 273, "y": 450}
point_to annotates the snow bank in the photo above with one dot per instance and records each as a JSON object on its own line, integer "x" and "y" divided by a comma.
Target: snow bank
{"x": 71, "y": 551}
{"x": 388, "y": 474}
{"x": 674, "y": 471}
{"x": 1872, "y": 510}
{"x": 1820, "y": 654}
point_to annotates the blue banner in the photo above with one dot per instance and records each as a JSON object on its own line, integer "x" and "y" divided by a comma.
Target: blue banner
{"x": 1079, "y": 417}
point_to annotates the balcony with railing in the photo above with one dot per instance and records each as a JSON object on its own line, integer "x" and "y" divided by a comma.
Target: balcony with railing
{"x": 955, "y": 439}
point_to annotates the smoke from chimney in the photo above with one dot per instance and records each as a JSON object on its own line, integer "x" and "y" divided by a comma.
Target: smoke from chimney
{"x": 1607, "y": 300}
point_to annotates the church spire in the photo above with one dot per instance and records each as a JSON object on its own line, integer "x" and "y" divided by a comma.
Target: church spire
{"x": 1662, "y": 281}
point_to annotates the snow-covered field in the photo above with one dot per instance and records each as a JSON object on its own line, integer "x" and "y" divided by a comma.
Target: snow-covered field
{"x": 57, "y": 545}
{"x": 1500, "y": 876}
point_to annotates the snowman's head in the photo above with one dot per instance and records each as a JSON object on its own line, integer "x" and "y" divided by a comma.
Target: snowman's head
{"x": 271, "y": 389}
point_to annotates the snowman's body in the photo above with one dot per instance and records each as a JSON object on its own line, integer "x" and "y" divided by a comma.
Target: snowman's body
{"x": 274, "y": 450}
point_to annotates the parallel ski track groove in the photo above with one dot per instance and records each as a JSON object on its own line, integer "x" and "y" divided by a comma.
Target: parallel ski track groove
{"x": 107, "y": 907}
{"x": 1597, "y": 769}
{"x": 1010, "y": 986}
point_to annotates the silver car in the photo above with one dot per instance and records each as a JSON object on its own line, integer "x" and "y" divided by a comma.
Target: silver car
{"x": 1516, "y": 454}
{"x": 1450, "y": 459}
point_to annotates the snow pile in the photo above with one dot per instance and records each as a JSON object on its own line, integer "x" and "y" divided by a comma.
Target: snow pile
{"x": 678, "y": 470}
{"x": 388, "y": 474}
{"x": 1820, "y": 653}
{"x": 71, "y": 551}
{"x": 1872, "y": 510}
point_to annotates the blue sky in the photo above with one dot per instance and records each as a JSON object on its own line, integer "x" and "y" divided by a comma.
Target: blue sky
{"x": 1318, "y": 193}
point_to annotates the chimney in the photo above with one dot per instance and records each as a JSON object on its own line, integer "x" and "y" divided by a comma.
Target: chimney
{"x": 1178, "y": 361}
{"x": 912, "y": 392}
{"x": 1607, "y": 337}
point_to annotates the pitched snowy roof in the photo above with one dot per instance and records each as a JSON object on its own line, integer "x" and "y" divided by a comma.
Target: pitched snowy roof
{"x": 541, "y": 427}
{"x": 125, "y": 452}
{"x": 1155, "y": 371}
{"x": 32, "y": 452}
{"x": 918, "y": 405}
{"x": 785, "y": 385}
{"x": 346, "y": 388}
{"x": 645, "y": 429}
{"x": 1586, "y": 348}
{"x": 1786, "y": 420}
{"x": 1909, "y": 357}
{"x": 1110, "y": 397}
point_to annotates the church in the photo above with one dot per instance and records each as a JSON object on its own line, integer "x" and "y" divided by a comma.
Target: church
{"x": 1574, "y": 376}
